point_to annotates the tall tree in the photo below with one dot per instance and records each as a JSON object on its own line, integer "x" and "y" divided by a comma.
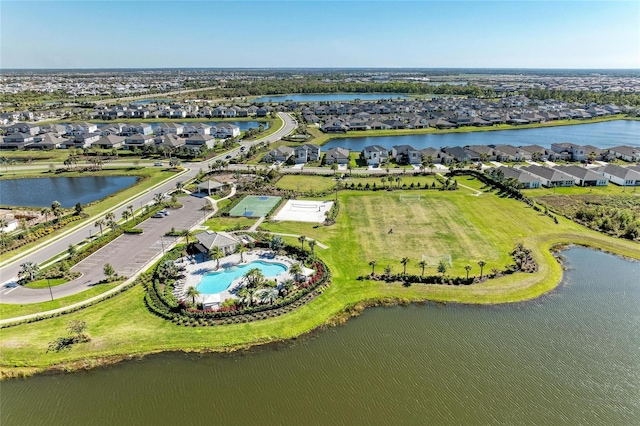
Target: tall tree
{"x": 442, "y": 267}
{"x": 192, "y": 292}
{"x": 302, "y": 239}
{"x": 241, "y": 249}
{"x": 468, "y": 269}
{"x": 373, "y": 264}
{"x": 99, "y": 223}
{"x": 295, "y": 270}
{"x": 404, "y": 262}
{"x": 28, "y": 270}
{"x": 216, "y": 254}
{"x": 422, "y": 264}
{"x": 481, "y": 264}
{"x": 312, "y": 246}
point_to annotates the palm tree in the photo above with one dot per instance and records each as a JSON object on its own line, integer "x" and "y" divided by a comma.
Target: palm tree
{"x": 276, "y": 244}
{"x": 179, "y": 186}
{"x": 157, "y": 198}
{"x": 45, "y": 211}
{"x": 245, "y": 295}
{"x": 302, "y": 239}
{"x": 241, "y": 249}
{"x": 216, "y": 253}
{"x": 481, "y": 264}
{"x": 28, "y": 270}
{"x": 295, "y": 270}
{"x": 468, "y": 269}
{"x": 383, "y": 180}
{"x": 99, "y": 223}
{"x": 56, "y": 209}
{"x": 130, "y": 207}
{"x": 373, "y": 264}
{"x": 126, "y": 215}
{"x": 268, "y": 294}
{"x": 404, "y": 262}
{"x": 193, "y": 292}
{"x": 422, "y": 264}
{"x": 442, "y": 267}
{"x": 398, "y": 180}
{"x": 186, "y": 234}
{"x": 254, "y": 278}
{"x": 287, "y": 286}
{"x": 312, "y": 246}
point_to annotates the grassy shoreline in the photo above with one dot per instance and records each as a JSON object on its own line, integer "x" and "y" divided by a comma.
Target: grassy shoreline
{"x": 324, "y": 138}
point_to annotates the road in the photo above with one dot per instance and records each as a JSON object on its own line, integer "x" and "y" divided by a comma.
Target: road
{"x": 50, "y": 249}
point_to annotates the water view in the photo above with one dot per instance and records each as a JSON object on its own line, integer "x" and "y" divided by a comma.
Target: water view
{"x": 41, "y": 192}
{"x": 602, "y": 135}
{"x": 570, "y": 357}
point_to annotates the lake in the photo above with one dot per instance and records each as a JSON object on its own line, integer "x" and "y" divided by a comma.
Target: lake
{"x": 331, "y": 97}
{"x": 602, "y": 135}
{"x": 570, "y": 357}
{"x": 41, "y": 192}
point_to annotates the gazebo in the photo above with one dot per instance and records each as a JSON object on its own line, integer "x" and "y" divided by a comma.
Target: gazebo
{"x": 211, "y": 186}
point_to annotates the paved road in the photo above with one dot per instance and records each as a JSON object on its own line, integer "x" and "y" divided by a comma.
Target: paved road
{"x": 9, "y": 271}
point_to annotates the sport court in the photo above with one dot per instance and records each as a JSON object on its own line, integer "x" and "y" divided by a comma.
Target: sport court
{"x": 304, "y": 211}
{"x": 254, "y": 206}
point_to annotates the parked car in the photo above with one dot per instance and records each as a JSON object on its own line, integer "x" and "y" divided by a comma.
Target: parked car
{"x": 158, "y": 164}
{"x": 158, "y": 215}
{"x": 228, "y": 156}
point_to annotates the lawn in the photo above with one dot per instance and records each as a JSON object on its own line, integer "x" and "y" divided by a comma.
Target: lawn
{"x": 470, "y": 228}
{"x": 229, "y": 223}
{"x": 11, "y": 311}
{"x": 304, "y": 183}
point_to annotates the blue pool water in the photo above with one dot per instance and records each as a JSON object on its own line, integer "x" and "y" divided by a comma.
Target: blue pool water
{"x": 217, "y": 282}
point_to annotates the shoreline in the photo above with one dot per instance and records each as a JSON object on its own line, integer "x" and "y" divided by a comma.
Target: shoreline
{"x": 325, "y": 138}
{"x": 546, "y": 285}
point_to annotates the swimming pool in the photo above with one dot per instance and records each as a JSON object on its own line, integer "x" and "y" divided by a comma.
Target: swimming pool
{"x": 217, "y": 282}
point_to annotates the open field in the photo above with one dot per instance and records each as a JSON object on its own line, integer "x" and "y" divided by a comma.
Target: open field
{"x": 303, "y": 183}
{"x": 470, "y": 228}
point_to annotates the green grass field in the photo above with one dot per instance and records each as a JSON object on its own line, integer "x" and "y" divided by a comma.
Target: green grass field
{"x": 470, "y": 228}
{"x": 303, "y": 183}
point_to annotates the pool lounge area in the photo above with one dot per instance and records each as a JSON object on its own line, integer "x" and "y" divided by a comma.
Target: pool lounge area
{"x": 214, "y": 292}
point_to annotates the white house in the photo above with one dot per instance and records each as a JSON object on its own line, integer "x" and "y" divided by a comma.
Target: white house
{"x": 225, "y": 130}
{"x": 375, "y": 155}
{"x": 619, "y": 175}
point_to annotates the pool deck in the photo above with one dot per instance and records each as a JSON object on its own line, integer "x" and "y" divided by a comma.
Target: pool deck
{"x": 195, "y": 272}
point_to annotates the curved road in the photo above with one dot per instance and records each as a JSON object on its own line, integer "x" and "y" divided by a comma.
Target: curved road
{"x": 9, "y": 293}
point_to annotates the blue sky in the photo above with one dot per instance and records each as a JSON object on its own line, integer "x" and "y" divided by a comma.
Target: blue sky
{"x": 502, "y": 34}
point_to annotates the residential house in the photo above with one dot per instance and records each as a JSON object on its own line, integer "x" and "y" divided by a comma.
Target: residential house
{"x": 16, "y": 141}
{"x": 169, "y": 128}
{"x": 550, "y": 177}
{"x": 306, "y": 153}
{"x": 198, "y": 141}
{"x": 578, "y": 153}
{"x": 26, "y": 128}
{"x": 626, "y": 153}
{"x": 375, "y": 155}
{"x": 537, "y": 152}
{"x": 623, "y": 176}
{"x": 484, "y": 152}
{"x": 168, "y": 141}
{"x": 84, "y": 140}
{"x": 281, "y": 153}
{"x": 527, "y": 180}
{"x": 334, "y": 126}
{"x": 436, "y": 156}
{"x": 338, "y": 155}
{"x": 199, "y": 128}
{"x": 47, "y": 141}
{"x": 137, "y": 141}
{"x": 81, "y": 128}
{"x": 140, "y": 128}
{"x": 109, "y": 142}
{"x": 406, "y": 154}
{"x": 511, "y": 153}
{"x": 225, "y": 130}
{"x": 584, "y": 176}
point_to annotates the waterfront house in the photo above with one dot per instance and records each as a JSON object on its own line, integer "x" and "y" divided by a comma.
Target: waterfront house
{"x": 169, "y": 128}
{"x": 338, "y": 155}
{"x": 47, "y": 141}
{"x": 510, "y": 153}
{"x": 132, "y": 129}
{"x": 406, "y": 154}
{"x": 307, "y": 152}
{"x": 198, "y": 141}
{"x": 550, "y": 177}
{"x": 81, "y": 128}
{"x": 577, "y": 152}
{"x": 626, "y": 153}
{"x": 225, "y": 130}
{"x": 281, "y": 153}
{"x": 375, "y": 155}
{"x": 584, "y": 176}
{"x": 85, "y": 140}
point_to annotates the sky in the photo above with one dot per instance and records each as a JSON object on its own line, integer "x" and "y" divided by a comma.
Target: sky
{"x": 323, "y": 34}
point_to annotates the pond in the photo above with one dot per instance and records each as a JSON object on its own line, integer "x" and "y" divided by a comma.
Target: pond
{"x": 602, "y": 135}
{"x": 41, "y": 192}
{"x": 570, "y": 357}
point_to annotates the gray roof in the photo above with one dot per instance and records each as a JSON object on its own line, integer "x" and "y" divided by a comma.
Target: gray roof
{"x": 210, "y": 239}
{"x": 580, "y": 172}
{"x": 552, "y": 175}
{"x": 625, "y": 173}
{"x": 521, "y": 175}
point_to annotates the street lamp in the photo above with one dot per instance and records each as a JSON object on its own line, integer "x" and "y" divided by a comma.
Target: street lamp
{"x": 50, "y": 292}
{"x": 162, "y": 242}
